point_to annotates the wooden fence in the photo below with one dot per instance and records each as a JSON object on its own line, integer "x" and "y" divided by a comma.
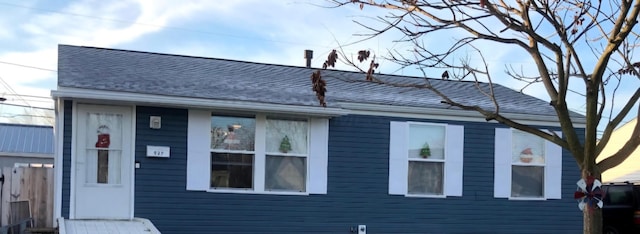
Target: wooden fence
{"x": 27, "y": 192}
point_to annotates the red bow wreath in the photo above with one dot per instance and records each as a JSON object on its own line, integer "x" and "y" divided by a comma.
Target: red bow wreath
{"x": 589, "y": 193}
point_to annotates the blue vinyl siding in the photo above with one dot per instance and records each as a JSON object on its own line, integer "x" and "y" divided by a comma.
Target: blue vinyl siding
{"x": 66, "y": 157}
{"x": 357, "y": 190}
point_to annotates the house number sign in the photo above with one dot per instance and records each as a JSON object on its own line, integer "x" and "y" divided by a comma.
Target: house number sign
{"x": 158, "y": 151}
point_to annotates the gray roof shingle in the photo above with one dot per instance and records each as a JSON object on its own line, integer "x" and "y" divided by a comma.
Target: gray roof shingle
{"x": 210, "y": 78}
{"x": 26, "y": 139}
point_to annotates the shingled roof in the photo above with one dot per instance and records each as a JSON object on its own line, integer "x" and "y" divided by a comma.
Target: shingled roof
{"x": 221, "y": 79}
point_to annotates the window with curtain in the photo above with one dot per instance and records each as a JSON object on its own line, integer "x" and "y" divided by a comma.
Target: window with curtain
{"x": 426, "y": 150}
{"x": 286, "y": 155}
{"x": 425, "y": 159}
{"x": 528, "y": 162}
{"x": 104, "y": 148}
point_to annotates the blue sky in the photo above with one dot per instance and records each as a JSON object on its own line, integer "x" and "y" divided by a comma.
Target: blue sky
{"x": 269, "y": 31}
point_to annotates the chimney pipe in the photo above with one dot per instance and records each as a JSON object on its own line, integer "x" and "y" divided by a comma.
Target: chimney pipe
{"x": 308, "y": 55}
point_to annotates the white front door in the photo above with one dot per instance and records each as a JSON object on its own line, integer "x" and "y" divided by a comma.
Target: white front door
{"x": 103, "y": 163}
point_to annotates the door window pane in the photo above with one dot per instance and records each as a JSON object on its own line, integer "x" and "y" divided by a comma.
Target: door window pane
{"x": 233, "y": 133}
{"x": 286, "y": 173}
{"x": 103, "y": 148}
{"x": 426, "y": 178}
{"x": 286, "y": 136}
{"x": 527, "y": 181}
{"x": 231, "y": 170}
{"x": 103, "y": 166}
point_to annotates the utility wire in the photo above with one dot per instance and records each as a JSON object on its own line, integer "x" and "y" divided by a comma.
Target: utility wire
{"x": 27, "y": 66}
{"x": 29, "y": 96}
{"x": 41, "y": 108}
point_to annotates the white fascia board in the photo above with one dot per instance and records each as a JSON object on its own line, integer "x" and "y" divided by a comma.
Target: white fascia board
{"x": 449, "y": 114}
{"x": 188, "y": 102}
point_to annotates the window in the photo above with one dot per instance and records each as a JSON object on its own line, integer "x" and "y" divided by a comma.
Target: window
{"x": 286, "y": 162}
{"x": 232, "y": 152}
{"x": 256, "y": 154}
{"x": 526, "y": 166}
{"x": 425, "y": 159}
{"x": 103, "y": 148}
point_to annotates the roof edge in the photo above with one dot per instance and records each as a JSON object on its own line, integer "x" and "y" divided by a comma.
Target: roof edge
{"x": 451, "y": 114}
{"x": 138, "y": 98}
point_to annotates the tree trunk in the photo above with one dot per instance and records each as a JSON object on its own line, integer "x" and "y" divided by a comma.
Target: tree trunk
{"x": 592, "y": 218}
{"x": 592, "y": 215}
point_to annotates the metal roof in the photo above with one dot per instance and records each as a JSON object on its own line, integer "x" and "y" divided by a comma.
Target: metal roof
{"x": 26, "y": 139}
{"x": 220, "y": 79}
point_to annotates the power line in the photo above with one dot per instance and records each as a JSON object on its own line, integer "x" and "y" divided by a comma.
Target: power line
{"x": 41, "y": 108}
{"x": 29, "y": 96}
{"x": 27, "y": 66}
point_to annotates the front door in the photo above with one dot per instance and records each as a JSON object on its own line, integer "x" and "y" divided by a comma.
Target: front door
{"x": 103, "y": 163}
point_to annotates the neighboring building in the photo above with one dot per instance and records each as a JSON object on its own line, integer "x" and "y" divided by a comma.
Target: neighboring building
{"x": 629, "y": 169}
{"x": 202, "y": 145}
{"x": 26, "y": 145}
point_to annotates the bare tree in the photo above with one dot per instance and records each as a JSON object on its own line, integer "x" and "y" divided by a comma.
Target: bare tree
{"x": 588, "y": 43}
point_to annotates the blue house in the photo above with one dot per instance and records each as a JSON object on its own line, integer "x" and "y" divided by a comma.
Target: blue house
{"x": 203, "y": 145}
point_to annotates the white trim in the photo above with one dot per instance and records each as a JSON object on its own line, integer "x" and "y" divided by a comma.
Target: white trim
{"x": 448, "y": 114}
{"x": 318, "y": 160}
{"x": 553, "y": 170}
{"x": 133, "y": 161}
{"x": 198, "y": 150}
{"x": 425, "y": 196}
{"x": 527, "y": 198}
{"x": 194, "y": 102}
{"x": 454, "y": 159}
{"x": 249, "y": 191}
{"x": 58, "y": 161}
{"x": 398, "y": 158}
{"x": 260, "y": 157}
{"x": 62, "y": 229}
{"x": 502, "y": 163}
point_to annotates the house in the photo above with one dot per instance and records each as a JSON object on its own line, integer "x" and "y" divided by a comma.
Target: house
{"x": 203, "y": 145}
{"x": 26, "y": 145}
{"x": 628, "y": 170}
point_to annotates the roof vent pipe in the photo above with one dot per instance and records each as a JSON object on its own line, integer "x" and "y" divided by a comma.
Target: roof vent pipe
{"x": 308, "y": 55}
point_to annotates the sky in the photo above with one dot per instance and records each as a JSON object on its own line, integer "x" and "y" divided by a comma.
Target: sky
{"x": 267, "y": 31}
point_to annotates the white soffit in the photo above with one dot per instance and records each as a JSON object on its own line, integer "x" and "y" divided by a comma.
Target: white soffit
{"x": 450, "y": 114}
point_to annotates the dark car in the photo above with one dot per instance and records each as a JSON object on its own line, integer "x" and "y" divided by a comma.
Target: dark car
{"x": 621, "y": 209}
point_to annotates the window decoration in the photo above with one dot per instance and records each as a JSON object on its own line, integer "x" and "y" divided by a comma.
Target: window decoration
{"x": 285, "y": 145}
{"x": 425, "y": 152}
{"x": 103, "y": 155}
{"x": 104, "y": 148}
{"x": 589, "y": 193}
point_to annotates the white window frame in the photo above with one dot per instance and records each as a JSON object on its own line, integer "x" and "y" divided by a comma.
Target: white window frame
{"x": 503, "y": 165}
{"x": 199, "y": 156}
{"x": 399, "y": 159}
